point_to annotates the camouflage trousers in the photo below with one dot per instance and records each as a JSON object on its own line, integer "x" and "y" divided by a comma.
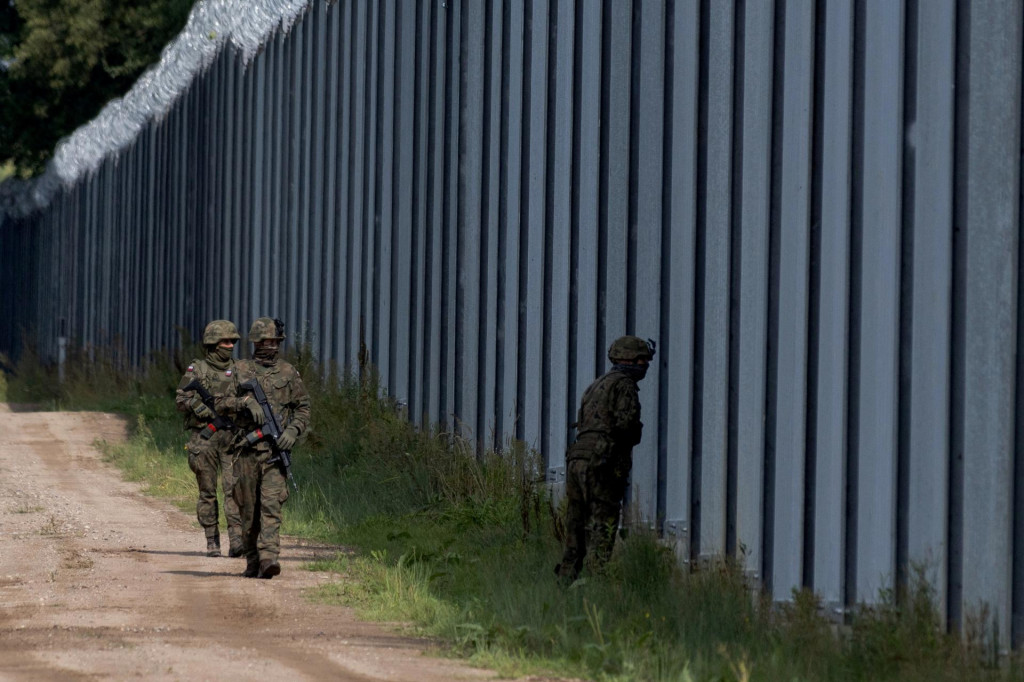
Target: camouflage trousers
{"x": 594, "y": 489}
{"x": 207, "y": 459}
{"x": 260, "y": 492}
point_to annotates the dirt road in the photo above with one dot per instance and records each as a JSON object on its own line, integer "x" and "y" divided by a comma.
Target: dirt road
{"x": 98, "y": 581}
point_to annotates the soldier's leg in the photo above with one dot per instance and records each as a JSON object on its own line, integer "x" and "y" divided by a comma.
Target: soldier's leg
{"x": 204, "y": 462}
{"x": 604, "y": 524}
{"x": 575, "y": 521}
{"x": 605, "y": 510}
{"x": 231, "y": 512}
{"x": 245, "y": 496}
{"x": 273, "y": 493}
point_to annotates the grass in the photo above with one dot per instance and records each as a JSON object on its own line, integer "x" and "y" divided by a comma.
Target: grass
{"x": 462, "y": 548}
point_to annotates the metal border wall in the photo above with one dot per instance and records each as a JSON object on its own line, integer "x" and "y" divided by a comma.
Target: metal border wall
{"x": 813, "y": 206}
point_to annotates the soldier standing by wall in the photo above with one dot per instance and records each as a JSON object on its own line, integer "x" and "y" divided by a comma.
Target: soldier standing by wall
{"x": 598, "y": 463}
{"x": 261, "y": 488}
{"x": 210, "y": 452}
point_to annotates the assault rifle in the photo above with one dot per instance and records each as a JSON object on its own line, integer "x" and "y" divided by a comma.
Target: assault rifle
{"x": 218, "y": 422}
{"x": 270, "y": 431}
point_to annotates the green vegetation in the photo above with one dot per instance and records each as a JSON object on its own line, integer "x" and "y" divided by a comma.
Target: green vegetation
{"x": 7, "y": 169}
{"x": 62, "y": 60}
{"x": 462, "y": 549}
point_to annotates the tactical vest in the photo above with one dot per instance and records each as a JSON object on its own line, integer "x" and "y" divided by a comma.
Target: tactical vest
{"x": 218, "y": 382}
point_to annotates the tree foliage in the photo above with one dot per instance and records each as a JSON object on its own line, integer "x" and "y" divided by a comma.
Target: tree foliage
{"x": 62, "y": 60}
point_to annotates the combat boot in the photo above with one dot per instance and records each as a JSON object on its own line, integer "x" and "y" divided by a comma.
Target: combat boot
{"x": 213, "y": 545}
{"x": 269, "y": 568}
{"x": 235, "y": 547}
{"x": 252, "y": 569}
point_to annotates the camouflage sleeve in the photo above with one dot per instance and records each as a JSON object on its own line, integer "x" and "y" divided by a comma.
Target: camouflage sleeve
{"x": 626, "y": 411}
{"x": 181, "y": 396}
{"x": 299, "y": 405}
{"x": 230, "y": 403}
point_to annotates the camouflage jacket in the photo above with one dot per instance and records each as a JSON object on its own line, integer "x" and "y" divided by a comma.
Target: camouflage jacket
{"x": 285, "y": 392}
{"x": 219, "y": 382}
{"x": 611, "y": 408}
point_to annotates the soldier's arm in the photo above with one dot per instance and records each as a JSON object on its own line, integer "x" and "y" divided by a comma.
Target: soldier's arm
{"x": 627, "y": 412}
{"x": 300, "y": 405}
{"x": 232, "y": 401}
{"x": 182, "y": 397}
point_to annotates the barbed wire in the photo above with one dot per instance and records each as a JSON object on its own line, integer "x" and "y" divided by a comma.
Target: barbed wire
{"x": 246, "y": 25}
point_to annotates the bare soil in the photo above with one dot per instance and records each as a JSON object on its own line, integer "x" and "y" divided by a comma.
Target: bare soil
{"x": 98, "y": 581}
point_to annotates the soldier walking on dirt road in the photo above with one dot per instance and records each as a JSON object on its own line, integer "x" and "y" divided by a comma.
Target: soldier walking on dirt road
{"x": 211, "y": 450}
{"x": 262, "y": 487}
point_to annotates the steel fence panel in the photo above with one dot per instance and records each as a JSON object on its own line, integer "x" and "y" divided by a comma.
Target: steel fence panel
{"x": 679, "y": 326}
{"x": 829, "y": 399}
{"x": 993, "y": 233}
{"x": 792, "y": 232}
{"x": 491, "y": 108}
{"x": 645, "y": 275}
{"x": 748, "y": 357}
{"x": 558, "y": 354}
{"x": 510, "y": 221}
{"x": 713, "y": 303}
{"x": 877, "y": 328}
{"x": 925, "y": 387}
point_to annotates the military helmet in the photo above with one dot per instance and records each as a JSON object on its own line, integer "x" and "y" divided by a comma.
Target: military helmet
{"x": 631, "y": 348}
{"x": 266, "y": 328}
{"x": 218, "y": 330}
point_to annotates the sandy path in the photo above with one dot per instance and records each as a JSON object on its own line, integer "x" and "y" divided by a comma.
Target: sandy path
{"x": 100, "y": 582}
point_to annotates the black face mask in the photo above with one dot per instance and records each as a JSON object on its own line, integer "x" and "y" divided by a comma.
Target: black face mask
{"x": 635, "y": 372}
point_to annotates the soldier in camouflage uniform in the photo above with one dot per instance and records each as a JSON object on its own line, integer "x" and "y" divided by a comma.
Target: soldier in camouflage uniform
{"x": 598, "y": 463}
{"x": 261, "y": 487}
{"x": 209, "y": 454}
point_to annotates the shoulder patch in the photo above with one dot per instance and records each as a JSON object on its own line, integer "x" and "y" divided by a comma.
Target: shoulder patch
{"x": 190, "y": 368}
{"x": 227, "y": 372}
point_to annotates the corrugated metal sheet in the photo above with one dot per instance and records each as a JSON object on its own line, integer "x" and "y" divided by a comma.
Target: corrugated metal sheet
{"x": 814, "y": 207}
